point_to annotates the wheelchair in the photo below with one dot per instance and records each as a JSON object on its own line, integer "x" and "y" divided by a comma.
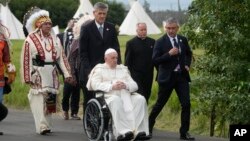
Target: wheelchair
{"x": 98, "y": 120}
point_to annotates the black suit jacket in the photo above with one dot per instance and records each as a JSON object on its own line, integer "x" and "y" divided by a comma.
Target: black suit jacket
{"x": 92, "y": 46}
{"x": 168, "y": 63}
{"x": 60, "y": 36}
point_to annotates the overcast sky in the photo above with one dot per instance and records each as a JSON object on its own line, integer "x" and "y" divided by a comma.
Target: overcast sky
{"x": 156, "y": 5}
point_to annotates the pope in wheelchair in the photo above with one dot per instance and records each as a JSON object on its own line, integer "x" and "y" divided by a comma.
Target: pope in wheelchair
{"x": 128, "y": 108}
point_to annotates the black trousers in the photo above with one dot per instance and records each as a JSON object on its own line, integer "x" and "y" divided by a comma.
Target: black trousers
{"x": 71, "y": 93}
{"x": 87, "y": 95}
{"x": 3, "y": 111}
{"x": 144, "y": 85}
{"x": 181, "y": 86}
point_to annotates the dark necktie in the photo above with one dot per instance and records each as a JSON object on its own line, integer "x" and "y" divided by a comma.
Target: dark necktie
{"x": 177, "y": 68}
{"x": 101, "y": 30}
{"x": 175, "y": 43}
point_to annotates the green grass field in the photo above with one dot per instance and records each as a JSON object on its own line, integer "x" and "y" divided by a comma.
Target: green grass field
{"x": 169, "y": 119}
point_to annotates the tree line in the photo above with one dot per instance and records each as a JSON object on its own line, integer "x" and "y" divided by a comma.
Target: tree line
{"x": 63, "y": 10}
{"x": 221, "y": 29}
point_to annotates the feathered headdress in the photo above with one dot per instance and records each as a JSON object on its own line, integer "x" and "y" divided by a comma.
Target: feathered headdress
{"x": 5, "y": 32}
{"x": 34, "y": 18}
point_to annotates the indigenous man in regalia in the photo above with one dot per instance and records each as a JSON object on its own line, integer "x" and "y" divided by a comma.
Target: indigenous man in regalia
{"x": 42, "y": 56}
{"x": 5, "y": 62}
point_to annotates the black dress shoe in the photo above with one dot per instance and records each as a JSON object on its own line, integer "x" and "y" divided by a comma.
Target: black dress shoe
{"x": 142, "y": 136}
{"x": 126, "y": 137}
{"x": 187, "y": 136}
{"x": 44, "y": 132}
{"x": 48, "y": 131}
{"x": 150, "y": 135}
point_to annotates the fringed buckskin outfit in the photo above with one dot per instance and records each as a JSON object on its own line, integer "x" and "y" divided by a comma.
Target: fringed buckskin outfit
{"x": 43, "y": 77}
{"x": 40, "y": 62}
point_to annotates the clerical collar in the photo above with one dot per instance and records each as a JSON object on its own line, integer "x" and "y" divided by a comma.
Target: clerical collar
{"x": 141, "y": 38}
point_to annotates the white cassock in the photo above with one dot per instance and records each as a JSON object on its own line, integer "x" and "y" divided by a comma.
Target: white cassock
{"x": 128, "y": 109}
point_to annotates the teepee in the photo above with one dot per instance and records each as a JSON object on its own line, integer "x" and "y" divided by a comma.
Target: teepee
{"x": 56, "y": 29}
{"x": 137, "y": 14}
{"x": 14, "y": 26}
{"x": 84, "y": 8}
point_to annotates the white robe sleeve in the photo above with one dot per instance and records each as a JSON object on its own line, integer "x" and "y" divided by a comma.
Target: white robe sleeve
{"x": 96, "y": 82}
{"x": 130, "y": 83}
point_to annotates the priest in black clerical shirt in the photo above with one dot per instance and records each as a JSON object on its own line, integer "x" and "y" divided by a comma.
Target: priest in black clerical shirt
{"x": 138, "y": 59}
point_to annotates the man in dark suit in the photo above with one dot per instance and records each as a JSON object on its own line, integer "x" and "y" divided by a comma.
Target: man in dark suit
{"x": 173, "y": 56}
{"x": 138, "y": 58}
{"x": 95, "y": 38}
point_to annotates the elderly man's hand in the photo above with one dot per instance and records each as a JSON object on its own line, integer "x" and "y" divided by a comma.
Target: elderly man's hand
{"x": 118, "y": 85}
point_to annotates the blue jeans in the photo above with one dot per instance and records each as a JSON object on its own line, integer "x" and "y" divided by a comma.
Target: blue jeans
{"x": 1, "y": 94}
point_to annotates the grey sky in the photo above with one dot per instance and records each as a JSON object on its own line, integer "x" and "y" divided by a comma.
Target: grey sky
{"x": 156, "y": 5}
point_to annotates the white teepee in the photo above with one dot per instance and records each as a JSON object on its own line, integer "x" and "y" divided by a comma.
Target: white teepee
{"x": 56, "y": 29}
{"x": 137, "y": 14}
{"x": 85, "y": 7}
{"x": 14, "y": 26}
{"x": 131, "y": 2}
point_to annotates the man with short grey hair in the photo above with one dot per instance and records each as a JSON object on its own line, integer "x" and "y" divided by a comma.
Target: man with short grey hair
{"x": 173, "y": 56}
{"x": 100, "y": 5}
{"x": 95, "y": 37}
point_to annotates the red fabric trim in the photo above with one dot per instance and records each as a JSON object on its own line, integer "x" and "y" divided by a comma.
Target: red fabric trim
{"x": 53, "y": 50}
{"x": 26, "y": 61}
{"x": 38, "y": 46}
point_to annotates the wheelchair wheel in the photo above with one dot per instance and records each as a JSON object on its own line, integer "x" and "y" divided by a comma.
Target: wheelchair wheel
{"x": 93, "y": 120}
